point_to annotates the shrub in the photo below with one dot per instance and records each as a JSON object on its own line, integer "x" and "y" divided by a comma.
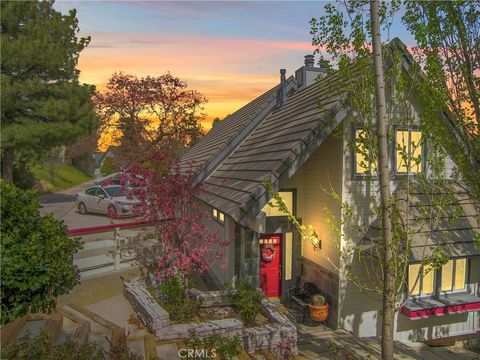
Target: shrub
{"x": 172, "y": 297}
{"x": 247, "y": 301}
{"x": 36, "y": 256}
{"x": 214, "y": 345}
{"x": 41, "y": 347}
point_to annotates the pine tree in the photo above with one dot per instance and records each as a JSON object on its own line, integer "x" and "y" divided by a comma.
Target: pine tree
{"x": 43, "y": 104}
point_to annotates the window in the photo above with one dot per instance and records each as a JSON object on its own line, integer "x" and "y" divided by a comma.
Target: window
{"x": 100, "y": 193}
{"x": 218, "y": 215}
{"x": 115, "y": 191}
{"x": 454, "y": 275}
{"x": 287, "y": 197}
{"x": 288, "y": 255}
{"x": 420, "y": 280}
{"x": 363, "y": 154}
{"x": 450, "y": 277}
{"x": 90, "y": 191}
{"x": 408, "y": 151}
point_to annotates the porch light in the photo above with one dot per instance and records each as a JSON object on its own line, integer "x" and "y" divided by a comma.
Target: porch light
{"x": 317, "y": 243}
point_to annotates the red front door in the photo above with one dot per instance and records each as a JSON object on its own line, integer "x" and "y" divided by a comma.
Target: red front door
{"x": 270, "y": 264}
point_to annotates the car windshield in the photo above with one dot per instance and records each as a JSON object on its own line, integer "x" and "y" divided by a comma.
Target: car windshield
{"x": 115, "y": 191}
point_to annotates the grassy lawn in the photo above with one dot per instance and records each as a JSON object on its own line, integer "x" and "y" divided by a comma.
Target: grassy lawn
{"x": 64, "y": 176}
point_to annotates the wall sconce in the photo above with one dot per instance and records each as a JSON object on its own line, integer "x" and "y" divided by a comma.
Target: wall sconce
{"x": 317, "y": 243}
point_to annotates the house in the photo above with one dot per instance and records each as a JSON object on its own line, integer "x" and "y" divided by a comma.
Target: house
{"x": 101, "y": 156}
{"x": 304, "y": 148}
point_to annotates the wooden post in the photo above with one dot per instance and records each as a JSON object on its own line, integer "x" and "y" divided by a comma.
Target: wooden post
{"x": 116, "y": 256}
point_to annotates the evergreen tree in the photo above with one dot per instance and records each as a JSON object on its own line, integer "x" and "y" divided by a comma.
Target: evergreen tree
{"x": 43, "y": 104}
{"x": 36, "y": 256}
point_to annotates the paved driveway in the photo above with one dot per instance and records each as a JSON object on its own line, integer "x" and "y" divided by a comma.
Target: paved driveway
{"x": 62, "y": 206}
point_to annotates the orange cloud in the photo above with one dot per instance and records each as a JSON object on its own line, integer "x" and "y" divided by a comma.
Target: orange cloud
{"x": 229, "y": 72}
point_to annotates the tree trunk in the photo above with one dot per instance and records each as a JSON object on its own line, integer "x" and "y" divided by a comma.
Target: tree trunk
{"x": 384, "y": 182}
{"x": 7, "y": 165}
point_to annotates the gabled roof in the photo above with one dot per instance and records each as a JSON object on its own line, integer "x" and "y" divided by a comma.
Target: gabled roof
{"x": 261, "y": 141}
{"x": 225, "y": 132}
{"x": 276, "y": 148}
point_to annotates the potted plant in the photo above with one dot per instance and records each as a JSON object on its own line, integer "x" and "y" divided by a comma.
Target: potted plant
{"x": 318, "y": 308}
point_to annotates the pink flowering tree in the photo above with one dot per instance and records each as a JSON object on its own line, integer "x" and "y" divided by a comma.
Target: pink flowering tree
{"x": 183, "y": 244}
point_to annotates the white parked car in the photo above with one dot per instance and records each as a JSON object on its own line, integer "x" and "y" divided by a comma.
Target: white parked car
{"x": 110, "y": 200}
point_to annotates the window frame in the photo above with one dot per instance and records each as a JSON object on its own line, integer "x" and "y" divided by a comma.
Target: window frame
{"x": 437, "y": 282}
{"x": 394, "y": 151}
{"x": 294, "y": 202}
{"x": 217, "y": 216}
{"x": 420, "y": 283}
{"x": 467, "y": 275}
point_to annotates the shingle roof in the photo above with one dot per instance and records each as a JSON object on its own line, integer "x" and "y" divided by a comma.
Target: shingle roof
{"x": 275, "y": 149}
{"x": 224, "y": 132}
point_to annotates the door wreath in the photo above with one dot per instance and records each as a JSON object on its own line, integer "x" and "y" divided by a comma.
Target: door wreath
{"x": 268, "y": 253}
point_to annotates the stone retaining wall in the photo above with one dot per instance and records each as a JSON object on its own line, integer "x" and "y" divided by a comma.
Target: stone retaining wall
{"x": 258, "y": 338}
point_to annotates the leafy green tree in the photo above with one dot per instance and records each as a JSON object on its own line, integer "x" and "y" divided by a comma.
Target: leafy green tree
{"x": 43, "y": 105}
{"x": 36, "y": 255}
{"x": 350, "y": 34}
{"x": 448, "y": 50}
{"x": 150, "y": 114}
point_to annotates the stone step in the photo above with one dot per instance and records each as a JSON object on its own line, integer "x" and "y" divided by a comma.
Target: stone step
{"x": 168, "y": 351}
{"x": 82, "y": 331}
{"x": 98, "y": 332}
{"x": 100, "y": 266}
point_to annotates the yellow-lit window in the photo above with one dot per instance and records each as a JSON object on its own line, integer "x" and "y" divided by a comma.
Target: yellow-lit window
{"x": 288, "y": 255}
{"x": 413, "y": 279}
{"x": 218, "y": 215}
{"x": 447, "y": 276}
{"x": 428, "y": 281}
{"x": 460, "y": 273}
{"x": 420, "y": 280}
{"x": 408, "y": 147}
{"x": 287, "y": 198}
{"x": 454, "y": 275}
{"x": 363, "y": 163}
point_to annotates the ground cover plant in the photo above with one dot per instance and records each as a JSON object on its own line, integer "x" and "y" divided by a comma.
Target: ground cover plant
{"x": 213, "y": 345}
{"x": 42, "y": 347}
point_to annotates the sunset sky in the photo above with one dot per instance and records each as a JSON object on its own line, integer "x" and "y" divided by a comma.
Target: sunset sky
{"x": 229, "y": 51}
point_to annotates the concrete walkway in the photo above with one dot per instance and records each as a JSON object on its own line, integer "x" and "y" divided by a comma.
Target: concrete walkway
{"x": 322, "y": 343}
